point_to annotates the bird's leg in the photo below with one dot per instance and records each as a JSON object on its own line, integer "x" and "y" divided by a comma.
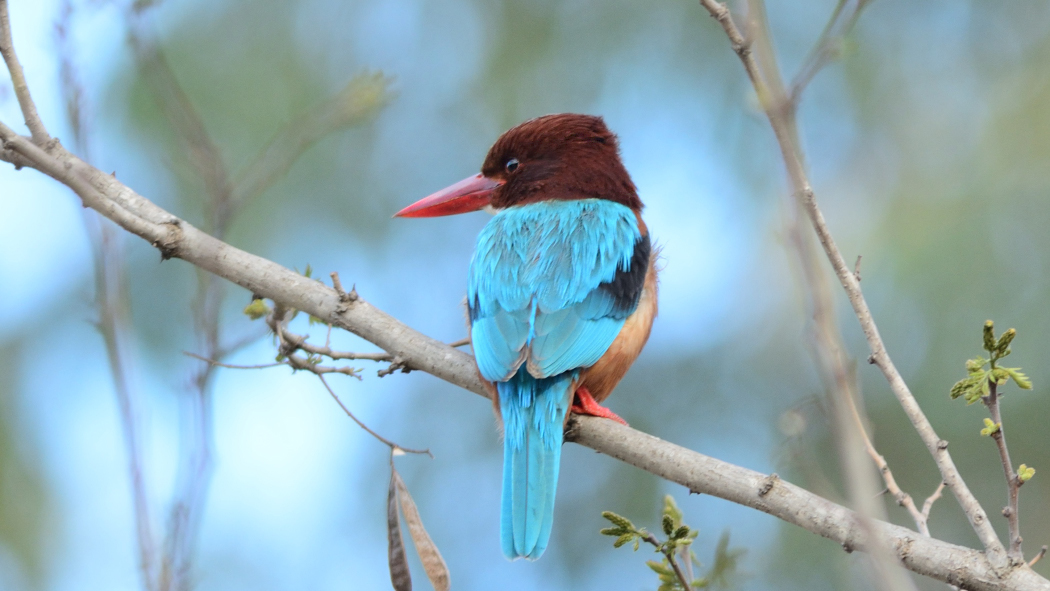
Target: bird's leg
{"x": 585, "y": 404}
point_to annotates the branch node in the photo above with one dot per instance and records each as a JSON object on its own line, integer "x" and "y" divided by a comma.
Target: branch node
{"x": 169, "y": 245}
{"x": 338, "y": 285}
{"x": 767, "y": 484}
{"x": 942, "y": 444}
{"x": 856, "y": 268}
{"x": 398, "y": 363}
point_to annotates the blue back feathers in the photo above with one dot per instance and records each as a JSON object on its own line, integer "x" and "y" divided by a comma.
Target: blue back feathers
{"x": 534, "y": 286}
{"x": 538, "y": 315}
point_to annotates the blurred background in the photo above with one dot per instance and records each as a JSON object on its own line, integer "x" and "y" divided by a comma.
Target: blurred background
{"x": 928, "y": 145}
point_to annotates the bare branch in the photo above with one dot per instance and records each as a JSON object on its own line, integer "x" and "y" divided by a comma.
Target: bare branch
{"x": 200, "y": 150}
{"x": 1013, "y": 482}
{"x": 828, "y": 46}
{"x": 780, "y": 112}
{"x": 928, "y": 505}
{"x": 969, "y": 569}
{"x": 682, "y": 578}
{"x": 111, "y": 301}
{"x": 18, "y": 79}
{"x": 232, "y": 366}
{"x": 393, "y": 446}
{"x": 361, "y": 98}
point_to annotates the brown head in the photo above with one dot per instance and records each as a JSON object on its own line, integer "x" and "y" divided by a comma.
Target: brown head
{"x": 564, "y": 156}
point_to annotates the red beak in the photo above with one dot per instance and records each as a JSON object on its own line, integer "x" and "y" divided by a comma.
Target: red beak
{"x": 469, "y": 194}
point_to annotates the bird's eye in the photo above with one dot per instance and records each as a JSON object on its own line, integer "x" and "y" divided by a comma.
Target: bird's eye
{"x": 512, "y": 165}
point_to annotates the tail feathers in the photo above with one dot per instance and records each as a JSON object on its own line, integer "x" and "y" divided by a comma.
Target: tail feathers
{"x": 533, "y": 414}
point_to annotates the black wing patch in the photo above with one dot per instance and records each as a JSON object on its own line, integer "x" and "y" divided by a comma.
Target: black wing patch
{"x": 626, "y": 287}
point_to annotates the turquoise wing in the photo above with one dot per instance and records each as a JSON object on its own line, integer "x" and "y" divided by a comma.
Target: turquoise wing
{"x": 537, "y": 293}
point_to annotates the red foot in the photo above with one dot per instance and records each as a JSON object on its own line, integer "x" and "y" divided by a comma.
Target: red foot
{"x": 585, "y": 404}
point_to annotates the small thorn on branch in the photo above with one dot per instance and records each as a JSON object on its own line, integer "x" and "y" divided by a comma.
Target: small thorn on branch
{"x": 1037, "y": 557}
{"x": 344, "y": 297}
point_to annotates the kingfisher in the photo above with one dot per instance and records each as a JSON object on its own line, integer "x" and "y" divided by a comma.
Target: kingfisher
{"x": 561, "y": 296}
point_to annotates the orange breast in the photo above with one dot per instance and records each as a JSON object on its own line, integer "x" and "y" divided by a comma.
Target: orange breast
{"x": 602, "y": 377}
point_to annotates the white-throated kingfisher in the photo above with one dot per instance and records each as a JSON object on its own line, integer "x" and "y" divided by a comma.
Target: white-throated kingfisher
{"x": 561, "y": 296}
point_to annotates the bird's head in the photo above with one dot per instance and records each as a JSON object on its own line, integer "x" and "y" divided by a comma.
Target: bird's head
{"x": 565, "y": 156}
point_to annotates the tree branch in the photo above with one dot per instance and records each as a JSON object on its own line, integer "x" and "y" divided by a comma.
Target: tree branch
{"x": 781, "y": 114}
{"x": 18, "y": 79}
{"x": 1013, "y": 482}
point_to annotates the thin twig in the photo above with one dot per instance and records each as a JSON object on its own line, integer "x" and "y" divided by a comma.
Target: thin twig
{"x": 207, "y": 162}
{"x": 18, "y": 79}
{"x": 232, "y": 366}
{"x": 779, "y": 110}
{"x": 1013, "y": 482}
{"x": 828, "y": 46}
{"x": 237, "y": 345}
{"x": 930, "y": 500}
{"x": 299, "y": 362}
{"x": 112, "y": 300}
{"x": 361, "y": 98}
{"x": 671, "y": 560}
{"x": 850, "y": 429}
{"x": 393, "y": 446}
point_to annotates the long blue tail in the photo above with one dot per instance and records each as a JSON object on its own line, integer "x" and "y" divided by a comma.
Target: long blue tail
{"x": 533, "y": 414}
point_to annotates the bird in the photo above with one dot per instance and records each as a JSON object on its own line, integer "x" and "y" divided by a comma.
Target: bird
{"x": 561, "y": 296}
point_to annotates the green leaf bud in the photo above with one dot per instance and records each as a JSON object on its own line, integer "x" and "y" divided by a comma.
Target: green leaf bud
{"x": 990, "y": 428}
{"x": 1025, "y": 473}
{"x": 257, "y": 309}
{"x": 989, "y": 336}
{"x": 1003, "y": 344}
{"x": 668, "y": 524}
{"x": 620, "y": 541}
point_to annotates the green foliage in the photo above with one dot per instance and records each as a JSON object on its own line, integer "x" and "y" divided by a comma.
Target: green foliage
{"x": 990, "y": 427}
{"x": 982, "y": 373}
{"x": 1025, "y": 473}
{"x": 257, "y": 309}
{"x": 676, "y": 551}
{"x": 623, "y": 529}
